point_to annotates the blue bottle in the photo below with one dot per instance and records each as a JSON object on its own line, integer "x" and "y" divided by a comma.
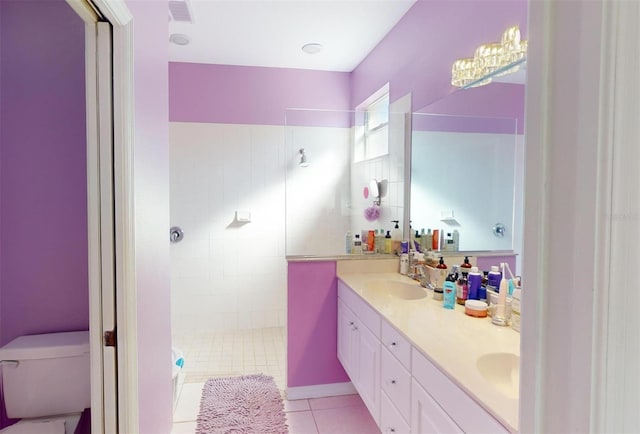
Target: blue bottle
{"x": 449, "y": 289}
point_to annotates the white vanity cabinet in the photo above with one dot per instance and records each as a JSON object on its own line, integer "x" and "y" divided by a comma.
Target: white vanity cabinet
{"x": 403, "y": 390}
{"x": 451, "y": 406}
{"x": 359, "y": 347}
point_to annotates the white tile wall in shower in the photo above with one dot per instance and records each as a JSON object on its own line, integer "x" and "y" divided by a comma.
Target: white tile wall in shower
{"x": 318, "y": 196}
{"x": 227, "y": 275}
{"x": 388, "y": 168}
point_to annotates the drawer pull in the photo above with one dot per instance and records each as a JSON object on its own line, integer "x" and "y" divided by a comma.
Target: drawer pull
{"x": 392, "y": 430}
{"x": 393, "y": 381}
{"x": 351, "y": 323}
{"x": 393, "y": 344}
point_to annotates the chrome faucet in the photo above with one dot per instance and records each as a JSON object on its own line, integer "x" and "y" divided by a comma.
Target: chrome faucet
{"x": 424, "y": 278}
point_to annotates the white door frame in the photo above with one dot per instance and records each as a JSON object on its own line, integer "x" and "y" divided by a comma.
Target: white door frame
{"x": 582, "y": 209}
{"x": 117, "y": 216}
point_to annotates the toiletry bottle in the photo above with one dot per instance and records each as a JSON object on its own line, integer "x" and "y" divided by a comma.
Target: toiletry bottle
{"x": 442, "y": 273}
{"x": 404, "y": 264}
{"x": 363, "y": 237}
{"x": 465, "y": 266}
{"x": 449, "y": 288}
{"x": 396, "y": 237}
{"x": 427, "y": 242}
{"x": 371, "y": 241}
{"x": 475, "y": 281}
{"x": 456, "y": 240}
{"x": 483, "y": 287}
{"x": 462, "y": 288}
{"x": 501, "y": 317}
{"x": 423, "y": 237}
{"x": 441, "y": 243}
{"x": 388, "y": 243}
{"x": 417, "y": 242}
{"x": 379, "y": 241}
{"x": 435, "y": 244}
{"x": 348, "y": 242}
{"x": 357, "y": 245}
{"x": 494, "y": 277}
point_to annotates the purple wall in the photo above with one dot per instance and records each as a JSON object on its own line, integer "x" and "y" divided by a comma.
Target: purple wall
{"x": 151, "y": 183}
{"x": 416, "y": 56}
{"x": 253, "y": 95}
{"x": 43, "y": 236}
{"x": 312, "y": 325}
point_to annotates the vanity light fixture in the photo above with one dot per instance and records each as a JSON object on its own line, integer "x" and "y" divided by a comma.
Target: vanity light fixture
{"x": 302, "y": 158}
{"x": 494, "y": 59}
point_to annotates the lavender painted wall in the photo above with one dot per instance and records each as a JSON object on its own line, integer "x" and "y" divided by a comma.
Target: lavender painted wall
{"x": 151, "y": 183}
{"x": 43, "y": 236}
{"x": 312, "y": 325}
{"x": 254, "y": 95}
{"x": 416, "y": 56}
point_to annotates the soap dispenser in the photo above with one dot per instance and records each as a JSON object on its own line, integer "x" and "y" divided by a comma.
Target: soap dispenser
{"x": 388, "y": 243}
{"x": 396, "y": 237}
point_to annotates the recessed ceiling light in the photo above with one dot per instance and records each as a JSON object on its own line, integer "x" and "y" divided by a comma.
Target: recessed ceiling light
{"x": 312, "y": 48}
{"x": 179, "y": 39}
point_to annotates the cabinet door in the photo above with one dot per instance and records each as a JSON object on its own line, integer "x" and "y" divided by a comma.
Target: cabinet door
{"x": 346, "y": 339}
{"x": 427, "y": 416}
{"x": 368, "y": 384}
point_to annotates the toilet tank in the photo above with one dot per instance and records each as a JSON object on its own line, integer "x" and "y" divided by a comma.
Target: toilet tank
{"x": 46, "y": 375}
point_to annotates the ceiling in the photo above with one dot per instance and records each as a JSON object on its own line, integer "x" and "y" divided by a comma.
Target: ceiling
{"x": 271, "y": 33}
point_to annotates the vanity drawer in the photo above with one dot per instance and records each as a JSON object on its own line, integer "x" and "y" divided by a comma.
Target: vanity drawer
{"x": 397, "y": 345}
{"x": 365, "y": 313}
{"x": 391, "y": 422}
{"x": 396, "y": 382}
{"x": 466, "y": 412}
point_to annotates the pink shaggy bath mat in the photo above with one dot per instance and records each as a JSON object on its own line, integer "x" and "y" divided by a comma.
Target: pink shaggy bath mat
{"x": 246, "y": 404}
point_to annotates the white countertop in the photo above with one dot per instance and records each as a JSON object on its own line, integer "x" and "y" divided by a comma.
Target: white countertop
{"x": 452, "y": 340}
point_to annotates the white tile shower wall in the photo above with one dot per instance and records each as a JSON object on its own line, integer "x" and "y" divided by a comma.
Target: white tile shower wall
{"x": 389, "y": 170}
{"x": 318, "y": 196}
{"x": 224, "y": 274}
{"x": 227, "y": 275}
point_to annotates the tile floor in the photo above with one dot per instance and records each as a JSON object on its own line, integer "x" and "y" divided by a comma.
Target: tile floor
{"x": 224, "y": 353}
{"x": 332, "y": 415}
{"x": 232, "y": 352}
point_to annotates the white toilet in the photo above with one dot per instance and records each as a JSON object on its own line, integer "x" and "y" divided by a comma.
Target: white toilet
{"x": 46, "y": 381}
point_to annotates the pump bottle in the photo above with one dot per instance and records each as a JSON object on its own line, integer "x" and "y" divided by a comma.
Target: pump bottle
{"x": 396, "y": 237}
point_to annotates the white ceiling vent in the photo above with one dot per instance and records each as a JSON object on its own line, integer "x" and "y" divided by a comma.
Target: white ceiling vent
{"x": 181, "y": 11}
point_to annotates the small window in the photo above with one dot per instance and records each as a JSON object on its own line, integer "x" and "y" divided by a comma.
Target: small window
{"x": 372, "y": 138}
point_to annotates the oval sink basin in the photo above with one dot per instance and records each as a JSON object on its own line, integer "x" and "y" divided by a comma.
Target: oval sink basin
{"x": 395, "y": 289}
{"x": 502, "y": 370}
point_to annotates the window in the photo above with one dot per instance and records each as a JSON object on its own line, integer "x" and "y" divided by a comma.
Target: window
{"x": 372, "y": 137}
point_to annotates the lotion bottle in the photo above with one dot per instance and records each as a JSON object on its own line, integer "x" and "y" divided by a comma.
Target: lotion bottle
{"x": 475, "y": 281}
{"x": 449, "y": 289}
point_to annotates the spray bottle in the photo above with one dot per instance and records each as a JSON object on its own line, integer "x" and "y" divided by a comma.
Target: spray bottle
{"x": 500, "y": 317}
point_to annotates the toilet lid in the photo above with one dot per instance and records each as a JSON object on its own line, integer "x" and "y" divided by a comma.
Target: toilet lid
{"x": 46, "y": 346}
{"x": 36, "y": 427}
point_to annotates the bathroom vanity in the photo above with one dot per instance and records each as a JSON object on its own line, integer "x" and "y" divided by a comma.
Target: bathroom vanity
{"x": 419, "y": 367}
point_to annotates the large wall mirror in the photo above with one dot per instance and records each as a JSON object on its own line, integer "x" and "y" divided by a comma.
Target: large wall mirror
{"x": 467, "y": 161}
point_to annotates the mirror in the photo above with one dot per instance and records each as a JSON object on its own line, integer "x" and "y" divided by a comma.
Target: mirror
{"x": 467, "y": 160}
{"x": 462, "y": 177}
